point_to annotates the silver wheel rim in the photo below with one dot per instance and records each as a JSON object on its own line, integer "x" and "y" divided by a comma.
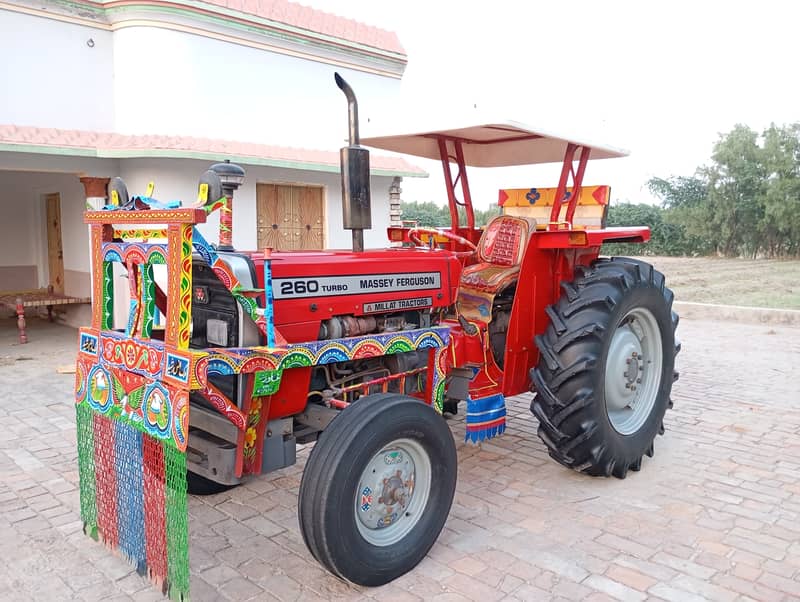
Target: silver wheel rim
{"x": 633, "y": 371}
{"x": 392, "y": 493}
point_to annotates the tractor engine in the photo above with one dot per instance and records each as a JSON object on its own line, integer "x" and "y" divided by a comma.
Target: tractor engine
{"x": 318, "y": 295}
{"x": 325, "y": 295}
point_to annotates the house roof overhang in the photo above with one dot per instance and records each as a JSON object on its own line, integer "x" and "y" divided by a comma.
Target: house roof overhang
{"x": 278, "y": 26}
{"x": 105, "y": 145}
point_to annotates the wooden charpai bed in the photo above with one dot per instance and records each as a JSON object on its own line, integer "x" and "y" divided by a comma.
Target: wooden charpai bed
{"x": 20, "y": 300}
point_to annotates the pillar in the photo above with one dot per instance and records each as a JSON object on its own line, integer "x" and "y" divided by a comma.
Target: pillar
{"x": 96, "y": 191}
{"x": 395, "y": 213}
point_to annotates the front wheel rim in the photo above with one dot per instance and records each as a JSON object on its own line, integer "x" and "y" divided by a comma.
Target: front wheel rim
{"x": 392, "y": 493}
{"x": 633, "y": 371}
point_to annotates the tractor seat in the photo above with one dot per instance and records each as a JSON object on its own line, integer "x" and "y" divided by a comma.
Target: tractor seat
{"x": 500, "y": 252}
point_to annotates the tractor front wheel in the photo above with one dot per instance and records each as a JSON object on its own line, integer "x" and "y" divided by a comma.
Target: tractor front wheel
{"x": 377, "y": 488}
{"x": 606, "y": 367}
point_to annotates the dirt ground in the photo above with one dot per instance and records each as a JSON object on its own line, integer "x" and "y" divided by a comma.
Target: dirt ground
{"x": 752, "y": 283}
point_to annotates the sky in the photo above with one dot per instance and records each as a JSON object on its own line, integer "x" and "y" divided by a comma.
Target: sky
{"x": 661, "y": 79}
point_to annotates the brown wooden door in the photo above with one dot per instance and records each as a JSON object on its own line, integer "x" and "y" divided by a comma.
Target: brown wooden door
{"x": 273, "y": 218}
{"x": 55, "y": 251}
{"x": 308, "y": 217}
{"x": 289, "y": 217}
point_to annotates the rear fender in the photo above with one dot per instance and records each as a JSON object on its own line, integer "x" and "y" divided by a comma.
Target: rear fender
{"x": 550, "y": 259}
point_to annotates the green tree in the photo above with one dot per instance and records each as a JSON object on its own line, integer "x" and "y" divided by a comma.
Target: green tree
{"x": 665, "y": 238}
{"x": 438, "y": 216}
{"x": 781, "y": 223}
{"x": 736, "y": 191}
{"x": 484, "y": 216}
{"x": 746, "y": 201}
{"x": 426, "y": 214}
{"x": 685, "y": 206}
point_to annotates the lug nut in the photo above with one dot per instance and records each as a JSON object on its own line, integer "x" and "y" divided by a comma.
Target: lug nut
{"x": 638, "y": 381}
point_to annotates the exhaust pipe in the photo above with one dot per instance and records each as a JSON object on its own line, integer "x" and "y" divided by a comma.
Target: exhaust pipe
{"x": 352, "y": 108}
{"x": 357, "y": 214}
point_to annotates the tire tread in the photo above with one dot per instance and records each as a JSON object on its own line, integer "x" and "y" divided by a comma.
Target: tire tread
{"x": 569, "y": 355}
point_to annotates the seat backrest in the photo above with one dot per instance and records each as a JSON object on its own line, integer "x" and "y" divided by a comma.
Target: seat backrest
{"x": 504, "y": 240}
{"x": 590, "y": 212}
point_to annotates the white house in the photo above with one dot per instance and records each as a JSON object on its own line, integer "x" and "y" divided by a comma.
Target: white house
{"x": 157, "y": 90}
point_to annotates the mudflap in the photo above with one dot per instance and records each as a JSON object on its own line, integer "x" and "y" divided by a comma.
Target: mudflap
{"x": 486, "y": 418}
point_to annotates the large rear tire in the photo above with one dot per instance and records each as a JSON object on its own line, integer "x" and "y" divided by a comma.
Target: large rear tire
{"x": 606, "y": 367}
{"x": 377, "y": 488}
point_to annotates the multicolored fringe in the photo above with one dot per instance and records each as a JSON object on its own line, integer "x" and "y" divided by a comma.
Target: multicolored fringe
{"x": 133, "y": 498}
{"x": 486, "y": 418}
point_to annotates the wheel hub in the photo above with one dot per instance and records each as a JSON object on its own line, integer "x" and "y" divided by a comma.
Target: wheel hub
{"x": 396, "y": 491}
{"x": 391, "y": 474}
{"x": 388, "y": 503}
{"x": 633, "y": 371}
{"x": 622, "y": 368}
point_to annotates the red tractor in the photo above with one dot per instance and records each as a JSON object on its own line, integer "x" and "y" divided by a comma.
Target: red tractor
{"x": 363, "y": 351}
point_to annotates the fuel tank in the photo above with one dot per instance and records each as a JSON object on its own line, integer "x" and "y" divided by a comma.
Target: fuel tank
{"x": 309, "y": 287}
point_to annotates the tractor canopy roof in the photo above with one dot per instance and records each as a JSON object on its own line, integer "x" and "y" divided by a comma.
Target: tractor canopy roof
{"x": 498, "y": 144}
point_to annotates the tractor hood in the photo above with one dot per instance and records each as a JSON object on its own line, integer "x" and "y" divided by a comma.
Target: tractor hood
{"x": 311, "y": 286}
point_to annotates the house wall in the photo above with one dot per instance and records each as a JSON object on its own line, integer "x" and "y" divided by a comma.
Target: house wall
{"x": 23, "y": 236}
{"x": 52, "y": 77}
{"x": 171, "y": 82}
{"x": 150, "y": 80}
{"x": 176, "y": 179}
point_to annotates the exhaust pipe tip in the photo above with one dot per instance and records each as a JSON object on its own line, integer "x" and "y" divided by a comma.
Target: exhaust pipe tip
{"x": 352, "y": 108}
{"x": 340, "y": 82}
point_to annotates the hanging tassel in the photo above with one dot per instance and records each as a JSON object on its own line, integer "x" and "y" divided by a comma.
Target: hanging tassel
{"x": 486, "y": 418}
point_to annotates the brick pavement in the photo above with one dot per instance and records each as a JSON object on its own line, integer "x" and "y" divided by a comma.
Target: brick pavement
{"x": 714, "y": 515}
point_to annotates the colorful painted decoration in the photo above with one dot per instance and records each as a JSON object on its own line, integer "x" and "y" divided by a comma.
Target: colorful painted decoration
{"x": 133, "y": 498}
{"x": 486, "y": 418}
{"x": 525, "y": 197}
{"x": 132, "y": 396}
{"x": 132, "y": 389}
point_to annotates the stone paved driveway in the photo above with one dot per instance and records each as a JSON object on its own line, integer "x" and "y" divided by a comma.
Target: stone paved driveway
{"x": 714, "y": 515}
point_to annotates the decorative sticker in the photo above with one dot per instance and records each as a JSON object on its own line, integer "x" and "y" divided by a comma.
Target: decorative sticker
{"x": 366, "y": 499}
{"x": 89, "y": 343}
{"x": 393, "y": 457}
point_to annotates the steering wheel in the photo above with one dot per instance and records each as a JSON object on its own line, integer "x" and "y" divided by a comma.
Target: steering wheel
{"x": 414, "y": 232}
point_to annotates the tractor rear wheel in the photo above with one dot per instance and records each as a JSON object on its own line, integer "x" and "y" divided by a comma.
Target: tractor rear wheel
{"x": 606, "y": 367}
{"x": 377, "y": 488}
